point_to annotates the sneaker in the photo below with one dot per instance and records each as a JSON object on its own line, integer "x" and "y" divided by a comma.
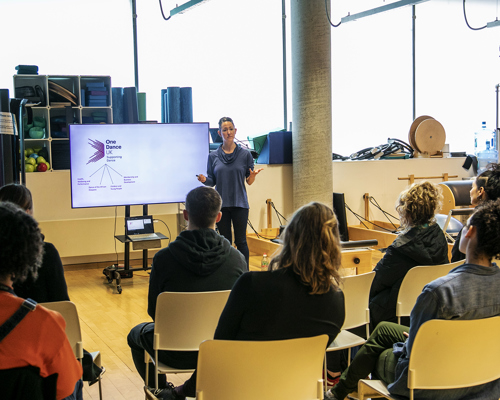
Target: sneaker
{"x": 329, "y": 395}
{"x": 167, "y": 393}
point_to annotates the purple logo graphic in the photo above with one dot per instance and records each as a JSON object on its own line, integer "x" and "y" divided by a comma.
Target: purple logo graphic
{"x": 99, "y": 147}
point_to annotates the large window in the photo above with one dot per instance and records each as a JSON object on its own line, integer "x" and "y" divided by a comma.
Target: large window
{"x": 67, "y": 37}
{"x": 457, "y": 70}
{"x": 230, "y": 53}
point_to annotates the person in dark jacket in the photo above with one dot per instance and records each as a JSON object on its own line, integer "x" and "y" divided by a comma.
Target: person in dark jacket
{"x": 198, "y": 260}
{"x": 467, "y": 292}
{"x": 421, "y": 242}
{"x": 485, "y": 187}
{"x": 50, "y": 284}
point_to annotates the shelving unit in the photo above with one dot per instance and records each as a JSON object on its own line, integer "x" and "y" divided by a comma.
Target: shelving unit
{"x": 58, "y": 115}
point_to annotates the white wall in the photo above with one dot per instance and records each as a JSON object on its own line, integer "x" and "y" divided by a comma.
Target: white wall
{"x": 84, "y": 235}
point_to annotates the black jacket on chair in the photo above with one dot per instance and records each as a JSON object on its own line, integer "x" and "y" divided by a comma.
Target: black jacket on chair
{"x": 422, "y": 245}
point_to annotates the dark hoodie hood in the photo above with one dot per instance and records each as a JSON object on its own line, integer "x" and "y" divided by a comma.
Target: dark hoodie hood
{"x": 201, "y": 251}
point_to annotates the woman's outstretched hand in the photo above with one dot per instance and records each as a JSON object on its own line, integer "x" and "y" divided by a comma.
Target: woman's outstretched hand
{"x": 253, "y": 174}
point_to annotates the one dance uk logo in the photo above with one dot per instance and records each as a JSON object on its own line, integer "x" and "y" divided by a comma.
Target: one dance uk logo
{"x": 99, "y": 154}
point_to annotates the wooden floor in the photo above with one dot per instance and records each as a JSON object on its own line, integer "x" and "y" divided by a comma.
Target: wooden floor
{"x": 106, "y": 318}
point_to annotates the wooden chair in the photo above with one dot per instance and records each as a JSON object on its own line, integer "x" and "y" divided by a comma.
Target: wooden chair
{"x": 249, "y": 370}
{"x": 182, "y": 321}
{"x": 439, "y": 355}
{"x": 414, "y": 282}
{"x": 356, "y": 298}
{"x": 70, "y": 314}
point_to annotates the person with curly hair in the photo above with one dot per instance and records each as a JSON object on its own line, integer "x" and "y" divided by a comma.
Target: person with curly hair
{"x": 467, "y": 292}
{"x": 39, "y": 339}
{"x": 50, "y": 284}
{"x": 299, "y": 296}
{"x": 485, "y": 187}
{"x": 420, "y": 242}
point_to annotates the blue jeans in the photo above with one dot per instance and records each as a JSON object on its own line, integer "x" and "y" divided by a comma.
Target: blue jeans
{"x": 239, "y": 217}
{"x": 77, "y": 393}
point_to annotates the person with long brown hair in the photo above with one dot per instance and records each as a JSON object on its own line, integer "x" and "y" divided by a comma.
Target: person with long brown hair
{"x": 299, "y": 296}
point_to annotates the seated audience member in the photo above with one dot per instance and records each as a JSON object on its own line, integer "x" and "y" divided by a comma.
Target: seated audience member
{"x": 50, "y": 284}
{"x": 469, "y": 291}
{"x": 199, "y": 260}
{"x": 420, "y": 242}
{"x": 39, "y": 339}
{"x": 298, "y": 297}
{"x": 485, "y": 187}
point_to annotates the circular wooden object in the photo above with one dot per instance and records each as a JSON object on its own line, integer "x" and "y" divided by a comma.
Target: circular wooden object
{"x": 413, "y": 129}
{"x": 430, "y": 136}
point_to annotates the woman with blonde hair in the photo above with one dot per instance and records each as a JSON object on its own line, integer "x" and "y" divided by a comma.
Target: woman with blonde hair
{"x": 298, "y": 297}
{"x": 420, "y": 242}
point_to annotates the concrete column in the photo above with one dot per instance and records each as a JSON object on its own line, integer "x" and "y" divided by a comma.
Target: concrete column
{"x": 311, "y": 103}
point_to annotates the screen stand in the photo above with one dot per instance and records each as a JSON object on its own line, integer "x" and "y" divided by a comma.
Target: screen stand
{"x": 117, "y": 273}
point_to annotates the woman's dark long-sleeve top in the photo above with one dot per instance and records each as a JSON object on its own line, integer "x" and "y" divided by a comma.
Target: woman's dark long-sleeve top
{"x": 50, "y": 284}
{"x": 276, "y": 305}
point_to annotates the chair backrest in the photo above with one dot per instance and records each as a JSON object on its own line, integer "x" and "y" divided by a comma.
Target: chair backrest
{"x": 185, "y": 319}
{"x": 414, "y": 282}
{"x": 68, "y": 310}
{"x": 455, "y": 194}
{"x": 249, "y": 370}
{"x": 442, "y": 348}
{"x": 356, "y": 290}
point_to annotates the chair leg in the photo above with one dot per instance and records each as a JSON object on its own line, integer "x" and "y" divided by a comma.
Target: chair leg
{"x": 100, "y": 389}
{"x": 156, "y": 375}
{"x": 325, "y": 376}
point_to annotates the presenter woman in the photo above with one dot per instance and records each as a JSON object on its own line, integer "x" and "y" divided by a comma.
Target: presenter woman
{"x": 228, "y": 168}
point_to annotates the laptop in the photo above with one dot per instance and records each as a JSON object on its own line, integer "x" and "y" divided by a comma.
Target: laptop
{"x": 140, "y": 228}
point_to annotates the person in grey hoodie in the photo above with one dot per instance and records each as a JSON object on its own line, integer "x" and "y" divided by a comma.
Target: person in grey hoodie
{"x": 198, "y": 260}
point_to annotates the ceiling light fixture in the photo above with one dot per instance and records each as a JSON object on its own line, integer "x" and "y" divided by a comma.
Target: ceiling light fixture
{"x": 378, "y": 10}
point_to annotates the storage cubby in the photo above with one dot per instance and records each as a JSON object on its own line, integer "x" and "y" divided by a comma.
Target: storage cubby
{"x": 62, "y": 100}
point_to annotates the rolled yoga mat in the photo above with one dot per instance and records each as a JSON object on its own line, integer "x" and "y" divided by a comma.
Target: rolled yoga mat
{"x": 131, "y": 114}
{"x": 173, "y": 105}
{"x": 163, "y": 106}
{"x": 186, "y": 104}
{"x": 117, "y": 101}
{"x": 4, "y": 100}
{"x": 141, "y": 105}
